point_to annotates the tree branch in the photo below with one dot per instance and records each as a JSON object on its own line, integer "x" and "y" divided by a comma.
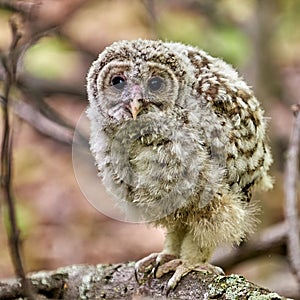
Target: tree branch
{"x": 118, "y": 282}
{"x": 290, "y": 187}
{"x": 44, "y": 125}
{"x": 49, "y": 87}
{"x": 23, "y": 7}
{"x": 10, "y": 64}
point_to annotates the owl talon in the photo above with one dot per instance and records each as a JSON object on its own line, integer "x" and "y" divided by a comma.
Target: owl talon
{"x": 184, "y": 268}
{"x": 145, "y": 265}
{"x": 159, "y": 264}
{"x": 167, "y": 267}
{"x": 161, "y": 260}
{"x": 151, "y": 264}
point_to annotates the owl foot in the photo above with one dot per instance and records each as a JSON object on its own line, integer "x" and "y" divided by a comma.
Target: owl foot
{"x": 182, "y": 268}
{"x": 159, "y": 264}
{"x": 151, "y": 263}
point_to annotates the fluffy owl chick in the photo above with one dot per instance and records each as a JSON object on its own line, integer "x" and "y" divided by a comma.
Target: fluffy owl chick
{"x": 179, "y": 140}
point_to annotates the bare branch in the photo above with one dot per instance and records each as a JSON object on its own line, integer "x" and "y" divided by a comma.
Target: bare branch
{"x": 43, "y": 124}
{"x": 23, "y": 7}
{"x": 291, "y": 210}
{"x": 118, "y": 282}
{"x": 49, "y": 87}
{"x": 151, "y": 10}
{"x": 10, "y": 62}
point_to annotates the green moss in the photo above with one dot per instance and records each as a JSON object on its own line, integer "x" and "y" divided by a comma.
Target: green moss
{"x": 257, "y": 296}
{"x": 237, "y": 287}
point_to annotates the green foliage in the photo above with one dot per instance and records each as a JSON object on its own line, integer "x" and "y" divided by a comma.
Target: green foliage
{"x": 287, "y": 36}
{"x": 229, "y": 43}
{"x": 25, "y": 217}
{"x": 51, "y": 57}
{"x": 226, "y": 41}
{"x": 180, "y": 26}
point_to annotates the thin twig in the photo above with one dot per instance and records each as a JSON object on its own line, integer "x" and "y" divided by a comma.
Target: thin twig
{"x": 9, "y": 63}
{"x": 151, "y": 10}
{"x": 291, "y": 210}
{"x": 42, "y": 124}
{"x": 47, "y": 87}
{"x": 23, "y": 7}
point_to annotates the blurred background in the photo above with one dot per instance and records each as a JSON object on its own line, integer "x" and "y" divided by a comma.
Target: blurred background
{"x": 260, "y": 38}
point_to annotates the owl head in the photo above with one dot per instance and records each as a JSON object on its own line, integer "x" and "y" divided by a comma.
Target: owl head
{"x": 132, "y": 78}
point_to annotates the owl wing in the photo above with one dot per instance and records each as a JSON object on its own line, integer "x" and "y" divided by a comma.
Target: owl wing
{"x": 219, "y": 86}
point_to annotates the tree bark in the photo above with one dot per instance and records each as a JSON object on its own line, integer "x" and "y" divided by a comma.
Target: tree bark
{"x": 118, "y": 282}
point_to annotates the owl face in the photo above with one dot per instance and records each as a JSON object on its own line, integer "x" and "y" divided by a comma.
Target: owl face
{"x": 130, "y": 91}
{"x": 131, "y": 82}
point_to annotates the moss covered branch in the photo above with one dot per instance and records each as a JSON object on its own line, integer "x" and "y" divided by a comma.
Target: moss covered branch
{"x": 118, "y": 282}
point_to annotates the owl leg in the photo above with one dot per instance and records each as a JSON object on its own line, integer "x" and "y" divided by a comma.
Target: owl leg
{"x": 171, "y": 251}
{"x": 192, "y": 258}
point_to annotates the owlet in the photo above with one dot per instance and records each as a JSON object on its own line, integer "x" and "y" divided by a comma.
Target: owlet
{"x": 179, "y": 140}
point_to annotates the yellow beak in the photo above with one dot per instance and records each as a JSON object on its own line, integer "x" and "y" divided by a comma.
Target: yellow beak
{"x": 135, "y": 107}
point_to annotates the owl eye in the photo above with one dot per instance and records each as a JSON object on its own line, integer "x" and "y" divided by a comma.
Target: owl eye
{"x": 155, "y": 84}
{"x": 118, "y": 82}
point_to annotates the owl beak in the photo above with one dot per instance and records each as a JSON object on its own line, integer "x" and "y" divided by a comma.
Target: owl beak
{"x": 135, "y": 107}
{"x": 136, "y": 101}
